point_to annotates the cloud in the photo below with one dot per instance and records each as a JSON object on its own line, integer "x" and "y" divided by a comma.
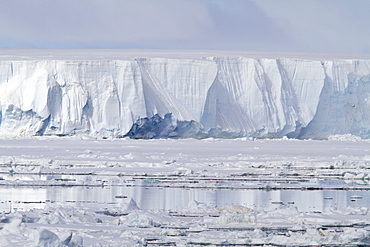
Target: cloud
{"x": 263, "y": 25}
{"x": 242, "y": 24}
{"x": 316, "y": 25}
{"x": 103, "y": 23}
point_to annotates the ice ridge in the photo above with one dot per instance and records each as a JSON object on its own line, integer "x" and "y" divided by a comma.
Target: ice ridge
{"x": 205, "y": 96}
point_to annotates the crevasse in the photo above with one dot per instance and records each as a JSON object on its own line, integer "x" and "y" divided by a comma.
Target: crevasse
{"x": 255, "y": 97}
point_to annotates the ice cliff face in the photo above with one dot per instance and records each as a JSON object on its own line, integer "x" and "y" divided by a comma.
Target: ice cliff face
{"x": 254, "y": 97}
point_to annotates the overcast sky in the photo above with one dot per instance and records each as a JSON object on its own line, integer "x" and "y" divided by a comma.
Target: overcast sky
{"x": 252, "y": 25}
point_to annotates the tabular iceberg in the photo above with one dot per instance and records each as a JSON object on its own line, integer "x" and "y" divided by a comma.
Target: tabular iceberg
{"x": 258, "y": 97}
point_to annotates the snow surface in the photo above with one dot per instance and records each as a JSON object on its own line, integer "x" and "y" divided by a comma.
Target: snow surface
{"x": 59, "y": 191}
{"x": 103, "y": 93}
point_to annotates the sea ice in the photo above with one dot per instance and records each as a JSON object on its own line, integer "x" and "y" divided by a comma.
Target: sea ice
{"x": 184, "y": 192}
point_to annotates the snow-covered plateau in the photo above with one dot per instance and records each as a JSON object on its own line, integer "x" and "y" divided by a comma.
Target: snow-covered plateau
{"x": 194, "y": 94}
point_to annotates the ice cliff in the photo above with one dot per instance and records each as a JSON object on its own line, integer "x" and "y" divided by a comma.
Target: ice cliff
{"x": 299, "y": 98}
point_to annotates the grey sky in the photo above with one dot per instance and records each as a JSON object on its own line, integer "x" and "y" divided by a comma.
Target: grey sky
{"x": 254, "y": 25}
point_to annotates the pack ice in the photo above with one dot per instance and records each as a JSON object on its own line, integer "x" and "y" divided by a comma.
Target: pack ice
{"x": 213, "y": 96}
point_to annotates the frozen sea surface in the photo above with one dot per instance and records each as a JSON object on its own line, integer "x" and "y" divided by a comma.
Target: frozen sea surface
{"x": 212, "y": 192}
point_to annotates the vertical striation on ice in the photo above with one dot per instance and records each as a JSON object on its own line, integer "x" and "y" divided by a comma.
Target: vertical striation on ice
{"x": 256, "y": 97}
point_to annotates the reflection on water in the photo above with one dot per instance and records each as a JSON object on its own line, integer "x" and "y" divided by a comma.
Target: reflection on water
{"x": 173, "y": 198}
